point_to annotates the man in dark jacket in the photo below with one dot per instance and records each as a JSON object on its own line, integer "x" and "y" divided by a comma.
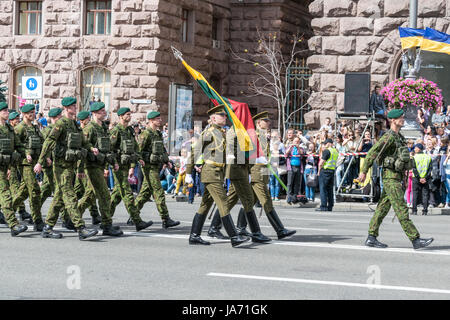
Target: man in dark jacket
{"x": 377, "y": 103}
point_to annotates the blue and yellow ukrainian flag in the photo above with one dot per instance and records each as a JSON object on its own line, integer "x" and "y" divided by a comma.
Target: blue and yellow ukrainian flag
{"x": 436, "y": 41}
{"x": 411, "y": 37}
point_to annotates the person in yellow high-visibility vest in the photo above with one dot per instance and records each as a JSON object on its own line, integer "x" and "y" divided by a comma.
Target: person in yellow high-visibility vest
{"x": 421, "y": 178}
{"x": 327, "y": 169}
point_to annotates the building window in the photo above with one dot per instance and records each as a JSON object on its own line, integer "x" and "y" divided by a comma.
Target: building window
{"x": 215, "y": 28}
{"x": 187, "y": 26}
{"x": 30, "y": 17}
{"x": 18, "y": 75}
{"x": 96, "y": 86}
{"x": 98, "y": 17}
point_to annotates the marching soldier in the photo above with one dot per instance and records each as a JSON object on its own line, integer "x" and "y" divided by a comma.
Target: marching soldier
{"x": 48, "y": 183}
{"x": 31, "y": 137}
{"x": 81, "y": 186}
{"x": 391, "y": 152}
{"x": 69, "y": 145}
{"x": 260, "y": 179}
{"x": 125, "y": 146}
{"x": 14, "y": 183}
{"x": 151, "y": 146}
{"x": 96, "y": 132}
{"x": 11, "y": 152}
{"x": 422, "y": 166}
{"x": 212, "y": 145}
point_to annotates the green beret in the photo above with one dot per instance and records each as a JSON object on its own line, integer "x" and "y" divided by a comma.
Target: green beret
{"x": 122, "y": 111}
{"x": 13, "y": 115}
{"x": 3, "y": 105}
{"x": 153, "y": 114}
{"x": 54, "y": 112}
{"x": 395, "y": 113}
{"x": 68, "y": 101}
{"x": 27, "y": 108}
{"x": 97, "y": 106}
{"x": 220, "y": 109}
{"x": 83, "y": 114}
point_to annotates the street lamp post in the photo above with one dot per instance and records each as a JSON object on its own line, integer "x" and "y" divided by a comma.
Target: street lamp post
{"x": 413, "y": 60}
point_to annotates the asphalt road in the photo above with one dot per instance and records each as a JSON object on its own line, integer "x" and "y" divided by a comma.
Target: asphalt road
{"x": 326, "y": 259}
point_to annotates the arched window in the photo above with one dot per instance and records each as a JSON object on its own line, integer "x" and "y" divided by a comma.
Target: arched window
{"x": 96, "y": 86}
{"x": 27, "y": 71}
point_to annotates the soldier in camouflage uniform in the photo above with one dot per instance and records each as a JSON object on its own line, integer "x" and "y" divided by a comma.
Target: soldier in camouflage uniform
{"x": 259, "y": 174}
{"x": 124, "y": 145}
{"x": 48, "y": 183}
{"x": 391, "y": 152}
{"x": 82, "y": 186}
{"x": 96, "y": 132}
{"x": 11, "y": 152}
{"x": 30, "y": 136}
{"x": 151, "y": 146}
{"x": 70, "y": 149}
{"x": 14, "y": 183}
{"x": 212, "y": 145}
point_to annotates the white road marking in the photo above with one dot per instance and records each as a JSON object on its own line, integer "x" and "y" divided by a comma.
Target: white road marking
{"x": 328, "y": 220}
{"x": 330, "y": 283}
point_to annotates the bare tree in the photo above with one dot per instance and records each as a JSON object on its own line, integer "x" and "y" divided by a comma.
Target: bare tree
{"x": 271, "y": 63}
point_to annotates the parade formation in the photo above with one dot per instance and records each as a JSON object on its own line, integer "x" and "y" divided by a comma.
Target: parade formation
{"x": 76, "y": 158}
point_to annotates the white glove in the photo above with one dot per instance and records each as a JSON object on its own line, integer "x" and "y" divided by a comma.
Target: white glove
{"x": 188, "y": 179}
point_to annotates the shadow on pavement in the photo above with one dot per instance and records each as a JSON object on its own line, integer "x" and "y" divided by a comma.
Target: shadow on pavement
{"x": 317, "y": 238}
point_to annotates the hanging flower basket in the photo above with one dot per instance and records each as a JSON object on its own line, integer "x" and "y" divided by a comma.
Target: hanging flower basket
{"x": 401, "y": 93}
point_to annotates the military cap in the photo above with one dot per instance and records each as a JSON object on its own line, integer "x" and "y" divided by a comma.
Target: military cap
{"x": 13, "y": 115}
{"x": 3, "y": 105}
{"x": 261, "y": 116}
{"x": 83, "y": 114}
{"x": 220, "y": 109}
{"x": 122, "y": 111}
{"x": 54, "y": 112}
{"x": 395, "y": 113}
{"x": 97, "y": 106}
{"x": 153, "y": 114}
{"x": 27, "y": 108}
{"x": 68, "y": 101}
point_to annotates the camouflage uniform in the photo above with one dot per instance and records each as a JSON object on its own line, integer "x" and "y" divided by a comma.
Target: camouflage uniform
{"x": 14, "y": 183}
{"x": 29, "y": 186}
{"x": 48, "y": 184}
{"x": 151, "y": 146}
{"x": 7, "y": 132}
{"x": 393, "y": 193}
{"x": 95, "y": 183}
{"x": 122, "y": 189}
{"x": 64, "y": 169}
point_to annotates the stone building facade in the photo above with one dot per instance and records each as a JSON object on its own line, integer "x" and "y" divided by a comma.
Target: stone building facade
{"x": 361, "y": 36}
{"x": 134, "y": 60}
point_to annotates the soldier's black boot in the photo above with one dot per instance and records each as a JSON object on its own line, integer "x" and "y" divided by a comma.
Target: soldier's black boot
{"x": 168, "y": 223}
{"x": 373, "y": 242}
{"x": 130, "y": 222}
{"x": 256, "y": 235}
{"x": 84, "y": 233}
{"x": 141, "y": 225}
{"x": 214, "y": 228}
{"x": 196, "y": 230}
{"x": 278, "y": 226}
{"x": 25, "y": 216}
{"x": 2, "y": 218}
{"x": 48, "y": 232}
{"x": 236, "y": 239}
{"x": 18, "y": 229}
{"x": 242, "y": 224}
{"x": 421, "y": 243}
{"x": 39, "y": 225}
{"x": 68, "y": 224}
{"x": 109, "y": 230}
